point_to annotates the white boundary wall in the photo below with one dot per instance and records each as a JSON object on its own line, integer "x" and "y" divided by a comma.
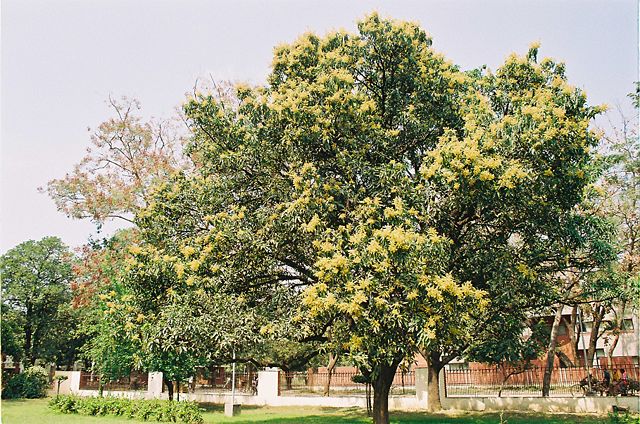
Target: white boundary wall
{"x": 268, "y": 394}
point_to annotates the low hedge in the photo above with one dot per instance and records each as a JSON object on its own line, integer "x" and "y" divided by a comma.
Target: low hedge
{"x": 140, "y": 409}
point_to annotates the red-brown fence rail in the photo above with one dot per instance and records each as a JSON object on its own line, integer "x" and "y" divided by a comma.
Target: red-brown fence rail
{"x": 135, "y": 381}
{"x": 528, "y": 382}
{"x": 342, "y": 383}
{"x": 220, "y": 380}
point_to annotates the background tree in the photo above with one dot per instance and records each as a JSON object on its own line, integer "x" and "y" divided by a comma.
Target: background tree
{"x": 620, "y": 200}
{"x": 126, "y": 157}
{"x": 36, "y": 277}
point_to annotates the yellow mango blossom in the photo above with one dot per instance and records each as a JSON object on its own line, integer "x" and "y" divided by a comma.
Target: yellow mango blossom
{"x": 433, "y": 235}
{"x": 194, "y": 265}
{"x": 179, "y": 268}
{"x": 434, "y": 293}
{"x": 413, "y": 294}
{"x": 374, "y": 247}
{"x": 359, "y": 297}
{"x": 486, "y": 176}
{"x": 355, "y": 342}
{"x": 312, "y": 224}
{"x": 135, "y": 249}
{"x": 330, "y": 301}
{"x": 512, "y": 174}
{"x": 187, "y": 251}
{"x": 429, "y": 333}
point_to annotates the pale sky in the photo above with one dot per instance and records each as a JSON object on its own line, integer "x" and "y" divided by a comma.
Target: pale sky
{"x": 61, "y": 59}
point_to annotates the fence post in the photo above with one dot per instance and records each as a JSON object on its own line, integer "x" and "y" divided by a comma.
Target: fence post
{"x": 268, "y": 381}
{"x": 422, "y": 387}
{"x": 154, "y": 385}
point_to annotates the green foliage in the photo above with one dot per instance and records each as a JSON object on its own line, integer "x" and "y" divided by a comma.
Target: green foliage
{"x": 143, "y": 410}
{"x": 31, "y": 384}
{"x": 625, "y": 417}
{"x": 105, "y": 308}
{"x": 12, "y": 343}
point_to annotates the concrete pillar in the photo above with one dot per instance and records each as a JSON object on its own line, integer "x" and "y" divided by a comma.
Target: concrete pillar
{"x": 268, "y": 384}
{"x": 422, "y": 392}
{"x": 74, "y": 381}
{"x": 154, "y": 387}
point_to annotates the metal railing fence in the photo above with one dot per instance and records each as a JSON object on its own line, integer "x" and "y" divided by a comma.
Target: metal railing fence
{"x": 497, "y": 381}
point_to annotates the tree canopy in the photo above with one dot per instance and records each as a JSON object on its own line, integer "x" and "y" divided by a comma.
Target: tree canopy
{"x": 374, "y": 188}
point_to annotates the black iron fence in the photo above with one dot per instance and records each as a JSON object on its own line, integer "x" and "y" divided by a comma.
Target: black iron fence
{"x": 498, "y": 381}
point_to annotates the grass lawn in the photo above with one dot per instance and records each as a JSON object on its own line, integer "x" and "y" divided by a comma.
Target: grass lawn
{"x": 37, "y": 412}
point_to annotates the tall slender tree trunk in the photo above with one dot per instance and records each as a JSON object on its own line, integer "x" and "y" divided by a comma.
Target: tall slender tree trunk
{"x": 616, "y": 334}
{"x": 381, "y": 388}
{"x": 169, "y": 385}
{"x": 551, "y": 352}
{"x": 28, "y": 335}
{"x": 573, "y": 331}
{"x": 333, "y": 360}
{"x": 598, "y": 316}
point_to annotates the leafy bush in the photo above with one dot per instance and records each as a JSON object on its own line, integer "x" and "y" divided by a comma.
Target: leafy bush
{"x": 31, "y": 384}
{"x": 623, "y": 417}
{"x": 145, "y": 410}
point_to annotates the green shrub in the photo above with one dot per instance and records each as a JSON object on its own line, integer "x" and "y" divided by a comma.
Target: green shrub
{"x": 31, "y": 384}
{"x": 145, "y": 410}
{"x": 623, "y": 417}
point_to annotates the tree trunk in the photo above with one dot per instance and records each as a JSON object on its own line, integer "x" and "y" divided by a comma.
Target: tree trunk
{"x": 28, "y": 335}
{"x": 433, "y": 389}
{"x": 551, "y": 352}
{"x": 616, "y": 334}
{"x": 178, "y": 390}
{"x": 573, "y": 331}
{"x": 598, "y": 315}
{"x": 435, "y": 365}
{"x": 169, "y": 385}
{"x": 333, "y": 360}
{"x": 381, "y": 387}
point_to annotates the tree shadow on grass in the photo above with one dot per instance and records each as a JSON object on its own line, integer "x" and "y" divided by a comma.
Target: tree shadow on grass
{"x": 308, "y": 419}
{"x": 327, "y": 415}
